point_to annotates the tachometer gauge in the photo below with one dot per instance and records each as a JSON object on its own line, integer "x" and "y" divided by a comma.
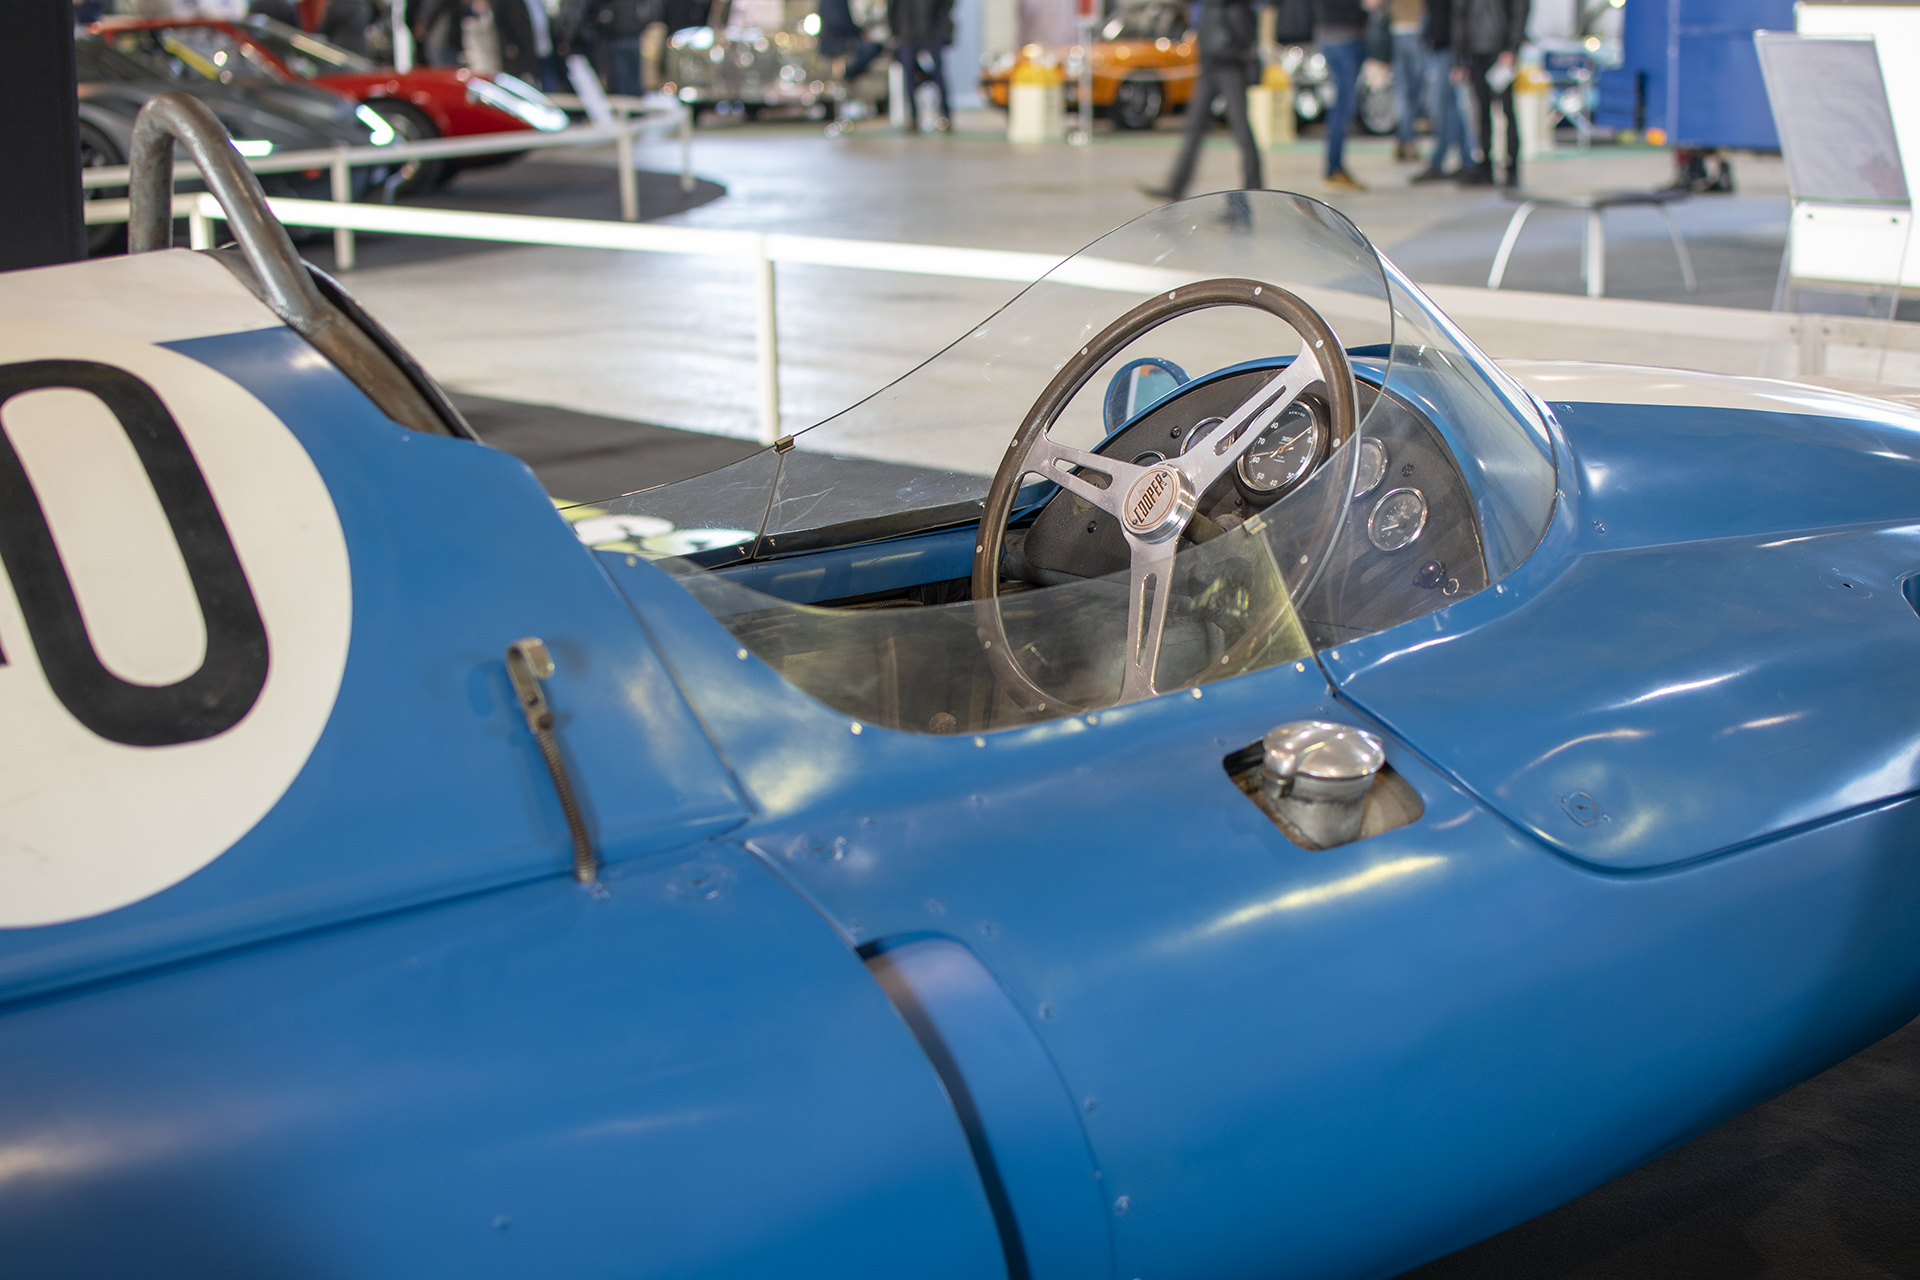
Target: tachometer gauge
{"x": 1397, "y": 519}
{"x": 1286, "y": 451}
{"x": 1373, "y": 467}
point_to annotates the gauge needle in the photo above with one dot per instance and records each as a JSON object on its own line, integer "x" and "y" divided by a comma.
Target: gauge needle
{"x": 1284, "y": 445}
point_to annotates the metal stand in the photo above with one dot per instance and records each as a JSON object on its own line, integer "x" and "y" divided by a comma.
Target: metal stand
{"x": 1593, "y": 262}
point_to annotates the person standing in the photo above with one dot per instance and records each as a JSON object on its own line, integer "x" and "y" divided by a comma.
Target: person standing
{"x": 922, "y": 30}
{"x": 436, "y": 31}
{"x": 1340, "y": 30}
{"x": 345, "y": 23}
{"x": 844, "y": 42}
{"x": 1229, "y": 63}
{"x": 526, "y": 42}
{"x": 1443, "y": 97}
{"x": 1408, "y": 22}
{"x": 619, "y": 25}
{"x": 1488, "y": 34}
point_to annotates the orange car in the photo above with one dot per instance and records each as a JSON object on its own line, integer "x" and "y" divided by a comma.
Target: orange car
{"x": 1144, "y": 62}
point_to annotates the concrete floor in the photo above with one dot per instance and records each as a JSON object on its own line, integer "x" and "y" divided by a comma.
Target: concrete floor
{"x": 669, "y": 340}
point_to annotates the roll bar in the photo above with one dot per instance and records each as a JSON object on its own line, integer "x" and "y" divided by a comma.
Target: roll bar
{"x": 281, "y": 278}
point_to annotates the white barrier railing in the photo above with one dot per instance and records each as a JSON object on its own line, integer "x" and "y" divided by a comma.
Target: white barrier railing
{"x": 1806, "y": 341}
{"x": 760, "y": 250}
{"x": 341, "y": 161}
{"x": 658, "y": 107}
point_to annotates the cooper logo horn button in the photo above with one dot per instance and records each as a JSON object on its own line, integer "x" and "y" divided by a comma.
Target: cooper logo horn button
{"x": 1159, "y": 504}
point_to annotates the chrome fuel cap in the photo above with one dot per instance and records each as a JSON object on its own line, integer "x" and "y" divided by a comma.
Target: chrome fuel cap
{"x": 1315, "y": 780}
{"x": 1322, "y": 751}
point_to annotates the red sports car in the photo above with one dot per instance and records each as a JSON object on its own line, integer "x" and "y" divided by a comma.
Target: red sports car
{"x": 426, "y": 102}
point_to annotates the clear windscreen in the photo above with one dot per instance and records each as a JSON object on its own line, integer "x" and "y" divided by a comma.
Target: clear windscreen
{"x": 844, "y": 558}
{"x": 927, "y": 445}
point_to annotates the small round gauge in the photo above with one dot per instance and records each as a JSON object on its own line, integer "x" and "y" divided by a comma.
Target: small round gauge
{"x": 1397, "y": 519}
{"x": 1285, "y": 452}
{"x": 1373, "y": 467}
{"x": 1200, "y": 428}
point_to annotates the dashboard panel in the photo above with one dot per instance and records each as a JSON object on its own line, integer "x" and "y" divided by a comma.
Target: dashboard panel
{"x": 1410, "y": 542}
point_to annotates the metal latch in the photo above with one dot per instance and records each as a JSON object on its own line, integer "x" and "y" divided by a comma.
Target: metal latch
{"x": 528, "y": 664}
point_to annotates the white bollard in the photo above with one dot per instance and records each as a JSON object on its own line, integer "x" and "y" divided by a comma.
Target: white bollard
{"x": 1036, "y": 111}
{"x": 1270, "y": 111}
{"x": 343, "y": 247}
{"x": 766, "y": 343}
{"x": 629, "y": 183}
{"x": 1530, "y": 95}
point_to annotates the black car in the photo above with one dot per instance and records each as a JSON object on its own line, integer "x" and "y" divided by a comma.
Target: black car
{"x": 262, "y": 118}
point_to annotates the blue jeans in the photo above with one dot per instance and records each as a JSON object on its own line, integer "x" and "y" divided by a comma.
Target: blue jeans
{"x": 1409, "y": 79}
{"x": 1343, "y": 70}
{"x": 626, "y": 66}
{"x": 1443, "y": 110}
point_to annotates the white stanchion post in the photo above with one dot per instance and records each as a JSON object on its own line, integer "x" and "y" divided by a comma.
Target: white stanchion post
{"x": 686, "y": 147}
{"x": 629, "y": 185}
{"x": 1083, "y": 89}
{"x": 402, "y": 38}
{"x": 199, "y": 230}
{"x": 342, "y": 194}
{"x": 766, "y": 342}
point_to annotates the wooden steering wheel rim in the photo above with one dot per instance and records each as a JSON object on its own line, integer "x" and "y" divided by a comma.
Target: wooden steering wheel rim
{"x": 1343, "y": 410}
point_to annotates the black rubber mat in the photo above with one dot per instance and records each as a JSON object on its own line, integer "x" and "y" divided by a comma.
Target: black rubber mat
{"x": 1822, "y": 1183}
{"x": 580, "y": 456}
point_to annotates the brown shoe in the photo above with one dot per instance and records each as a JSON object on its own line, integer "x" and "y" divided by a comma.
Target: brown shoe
{"x": 1406, "y": 151}
{"x": 1341, "y": 180}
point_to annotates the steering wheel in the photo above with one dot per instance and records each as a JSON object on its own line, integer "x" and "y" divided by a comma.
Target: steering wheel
{"x": 1153, "y": 504}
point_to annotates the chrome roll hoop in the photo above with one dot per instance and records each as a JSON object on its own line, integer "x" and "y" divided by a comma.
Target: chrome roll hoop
{"x": 279, "y": 277}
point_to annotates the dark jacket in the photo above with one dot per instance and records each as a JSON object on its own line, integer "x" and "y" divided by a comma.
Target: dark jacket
{"x": 1229, "y": 32}
{"x": 1438, "y": 33}
{"x": 1339, "y": 13}
{"x": 515, "y": 29}
{"x": 1490, "y": 26}
{"x": 627, "y": 19}
{"x": 927, "y": 23}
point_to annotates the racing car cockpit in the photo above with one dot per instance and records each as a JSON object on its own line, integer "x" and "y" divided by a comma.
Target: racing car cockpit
{"x": 1222, "y": 437}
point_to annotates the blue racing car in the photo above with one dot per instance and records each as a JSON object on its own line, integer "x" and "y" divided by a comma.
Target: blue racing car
{"x": 1207, "y": 776}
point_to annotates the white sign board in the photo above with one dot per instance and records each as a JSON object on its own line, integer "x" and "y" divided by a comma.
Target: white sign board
{"x": 1833, "y": 244}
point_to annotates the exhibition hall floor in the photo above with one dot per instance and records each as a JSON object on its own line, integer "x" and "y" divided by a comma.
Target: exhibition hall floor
{"x": 669, "y": 340}
{"x": 611, "y": 371}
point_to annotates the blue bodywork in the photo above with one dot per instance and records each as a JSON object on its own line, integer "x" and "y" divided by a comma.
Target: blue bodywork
{"x": 1055, "y": 1001}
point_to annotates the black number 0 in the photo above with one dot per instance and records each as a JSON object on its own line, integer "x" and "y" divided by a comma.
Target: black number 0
{"x": 228, "y": 683}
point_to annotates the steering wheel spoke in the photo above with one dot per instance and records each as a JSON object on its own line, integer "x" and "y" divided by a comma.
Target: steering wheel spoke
{"x": 1213, "y": 454}
{"x": 1052, "y": 460}
{"x": 1149, "y": 595}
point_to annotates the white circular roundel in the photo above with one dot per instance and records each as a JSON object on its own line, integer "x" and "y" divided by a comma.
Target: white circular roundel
{"x": 175, "y": 607}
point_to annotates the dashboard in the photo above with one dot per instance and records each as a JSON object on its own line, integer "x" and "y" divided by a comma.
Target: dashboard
{"x": 1409, "y": 544}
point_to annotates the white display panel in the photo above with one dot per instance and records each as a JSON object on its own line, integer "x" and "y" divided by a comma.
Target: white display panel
{"x": 1865, "y": 246}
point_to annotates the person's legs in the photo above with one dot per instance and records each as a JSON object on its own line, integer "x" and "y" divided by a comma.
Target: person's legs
{"x": 626, "y": 65}
{"x": 1233, "y": 86}
{"x": 1478, "y": 64}
{"x": 936, "y": 57}
{"x": 862, "y": 59}
{"x": 1443, "y": 109}
{"x": 1343, "y": 68}
{"x": 909, "y": 56}
{"x": 1513, "y": 138}
{"x": 1199, "y": 123}
{"x": 1409, "y": 76}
